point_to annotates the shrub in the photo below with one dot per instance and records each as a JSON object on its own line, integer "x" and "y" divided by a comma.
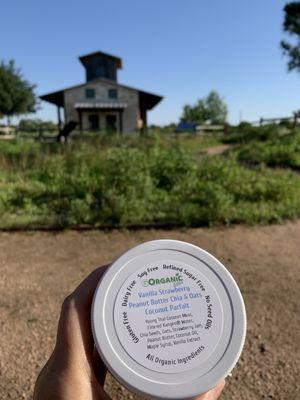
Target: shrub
{"x": 123, "y": 186}
{"x": 280, "y": 152}
{"x": 35, "y": 125}
{"x": 245, "y": 133}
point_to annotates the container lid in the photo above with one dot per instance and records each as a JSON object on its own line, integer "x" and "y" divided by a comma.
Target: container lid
{"x": 168, "y": 320}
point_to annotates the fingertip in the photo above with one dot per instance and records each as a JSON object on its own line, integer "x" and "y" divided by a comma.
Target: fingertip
{"x": 85, "y": 291}
{"x": 214, "y": 393}
{"x": 218, "y": 389}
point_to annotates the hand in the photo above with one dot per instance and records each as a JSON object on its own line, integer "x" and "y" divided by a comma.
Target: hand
{"x": 75, "y": 371}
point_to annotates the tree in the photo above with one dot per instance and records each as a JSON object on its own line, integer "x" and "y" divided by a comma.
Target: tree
{"x": 291, "y": 25}
{"x": 16, "y": 94}
{"x": 211, "y": 109}
{"x": 36, "y": 125}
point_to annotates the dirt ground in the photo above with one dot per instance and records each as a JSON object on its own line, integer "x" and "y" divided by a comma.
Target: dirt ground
{"x": 215, "y": 150}
{"x": 37, "y": 270}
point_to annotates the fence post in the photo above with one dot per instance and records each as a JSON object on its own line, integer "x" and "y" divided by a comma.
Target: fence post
{"x": 295, "y": 120}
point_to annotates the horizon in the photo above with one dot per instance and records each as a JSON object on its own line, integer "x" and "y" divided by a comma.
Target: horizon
{"x": 175, "y": 51}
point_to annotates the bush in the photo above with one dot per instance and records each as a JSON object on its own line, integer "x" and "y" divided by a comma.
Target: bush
{"x": 36, "y": 125}
{"x": 120, "y": 187}
{"x": 280, "y": 152}
{"x": 245, "y": 133}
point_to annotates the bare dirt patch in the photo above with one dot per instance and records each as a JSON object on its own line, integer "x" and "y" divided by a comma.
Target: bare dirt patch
{"x": 37, "y": 270}
{"x": 216, "y": 150}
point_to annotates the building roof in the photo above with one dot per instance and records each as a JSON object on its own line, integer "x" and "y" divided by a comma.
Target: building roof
{"x": 56, "y": 98}
{"x": 147, "y": 100}
{"x": 86, "y": 57}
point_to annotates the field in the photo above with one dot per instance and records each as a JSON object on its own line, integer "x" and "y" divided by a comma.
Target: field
{"x": 39, "y": 269}
{"x": 156, "y": 181}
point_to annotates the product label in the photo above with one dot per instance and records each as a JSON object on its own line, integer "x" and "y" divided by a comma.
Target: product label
{"x": 168, "y": 317}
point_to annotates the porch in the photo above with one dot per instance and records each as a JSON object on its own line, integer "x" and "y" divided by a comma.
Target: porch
{"x": 100, "y": 116}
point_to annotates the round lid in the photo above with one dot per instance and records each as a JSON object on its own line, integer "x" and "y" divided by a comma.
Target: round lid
{"x": 168, "y": 320}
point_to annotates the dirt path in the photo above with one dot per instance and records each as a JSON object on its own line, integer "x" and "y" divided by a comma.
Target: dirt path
{"x": 39, "y": 269}
{"x": 216, "y": 150}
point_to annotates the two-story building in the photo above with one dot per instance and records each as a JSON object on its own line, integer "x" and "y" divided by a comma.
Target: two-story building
{"x": 101, "y": 103}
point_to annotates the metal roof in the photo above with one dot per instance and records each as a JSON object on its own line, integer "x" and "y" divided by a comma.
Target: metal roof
{"x": 147, "y": 100}
{"x": 89, "y": 104}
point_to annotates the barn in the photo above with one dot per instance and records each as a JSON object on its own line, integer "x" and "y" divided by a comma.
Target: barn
{"x": 101, "y": 103}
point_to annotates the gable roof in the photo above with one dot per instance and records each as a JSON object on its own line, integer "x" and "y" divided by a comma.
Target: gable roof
{"x": 147, "y": 100}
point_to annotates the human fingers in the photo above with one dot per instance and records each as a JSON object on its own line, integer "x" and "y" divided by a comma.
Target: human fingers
{"x": 74, "y": 335}
{"x": 99, "y": 367}
{"x": 85, "y": 290}
{"x": 214, "y": 393}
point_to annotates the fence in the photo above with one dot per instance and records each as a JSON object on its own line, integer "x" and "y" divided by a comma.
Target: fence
{"x": 212, "y": 129}
{"x": 265, "y": 121}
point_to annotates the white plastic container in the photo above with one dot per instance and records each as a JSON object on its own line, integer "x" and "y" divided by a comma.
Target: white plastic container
{"x": 168, "y": 320}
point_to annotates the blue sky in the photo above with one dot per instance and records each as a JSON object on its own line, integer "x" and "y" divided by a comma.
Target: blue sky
{"x": 179, "y": 49}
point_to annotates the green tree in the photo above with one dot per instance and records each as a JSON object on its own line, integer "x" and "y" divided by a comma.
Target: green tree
{"x": 16, "y": 94}
{"x": 36, "y": 124}
{"x": 291, "y": 25}
{"x": 211, "y": 109}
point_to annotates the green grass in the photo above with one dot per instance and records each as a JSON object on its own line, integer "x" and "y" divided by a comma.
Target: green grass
{"x": 137, "y": 182}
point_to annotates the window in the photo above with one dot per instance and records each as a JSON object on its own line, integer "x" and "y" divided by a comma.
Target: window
{"x": 113, "y": 93}
{"x": 90, "y": 93}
